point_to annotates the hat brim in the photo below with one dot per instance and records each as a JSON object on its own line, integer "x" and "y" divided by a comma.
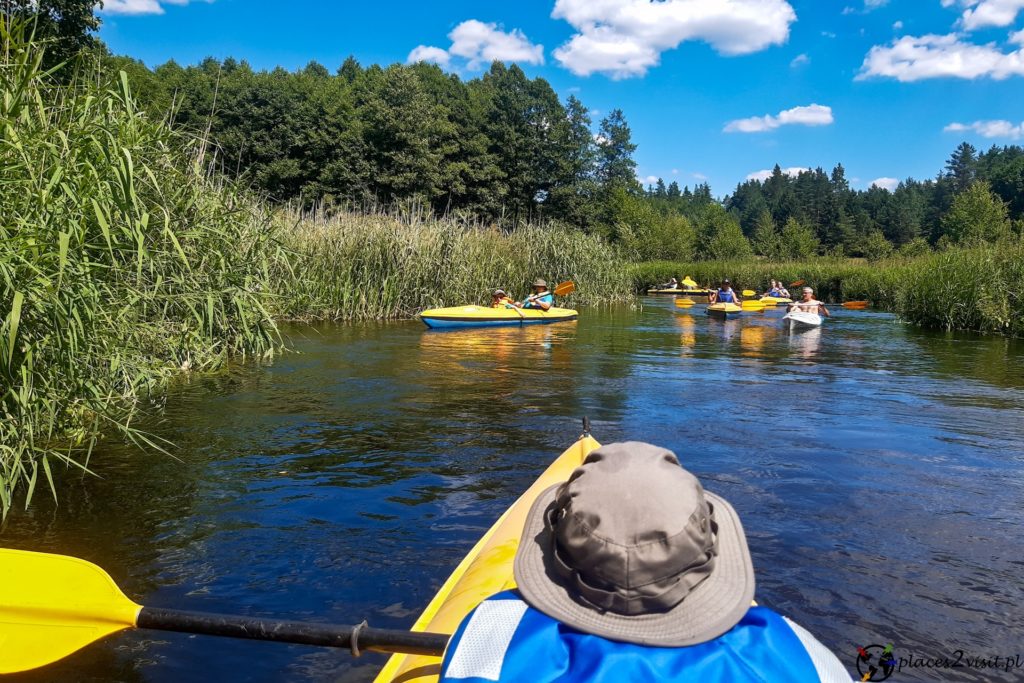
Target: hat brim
{"x": 712, "y": 608}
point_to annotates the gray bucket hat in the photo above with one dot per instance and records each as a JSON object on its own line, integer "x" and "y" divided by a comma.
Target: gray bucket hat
{"x": 540, "y": 282}
{"x": 633, "y": 549}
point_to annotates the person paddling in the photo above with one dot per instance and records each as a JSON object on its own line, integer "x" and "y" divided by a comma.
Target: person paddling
{"x": 540, "y": 298}
{"x": 724, "y": 295}
{"x": 808, "y": 304}
{"x": 631, "y": 571}
{"x": 671, "y": 284}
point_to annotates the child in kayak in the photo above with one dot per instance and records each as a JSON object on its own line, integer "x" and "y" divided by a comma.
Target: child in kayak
{"x": 775, "y": 290}
{"x": 808, "y": 304}
{"x": 501, "y": 299}
{"x": 541, "y": 297}
{"x": 631, "y": 571}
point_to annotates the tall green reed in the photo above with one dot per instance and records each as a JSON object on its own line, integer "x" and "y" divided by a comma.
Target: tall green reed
{"x": 349, "y": 266}
{"x": 121, "y": 262}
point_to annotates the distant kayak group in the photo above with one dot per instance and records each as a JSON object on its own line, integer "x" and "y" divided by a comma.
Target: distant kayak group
{"x": 539, "y": 306}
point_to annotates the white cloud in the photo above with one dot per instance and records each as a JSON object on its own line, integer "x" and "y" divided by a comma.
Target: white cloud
{"x": 624, "y": 38}
{"x": 425, "y": 53}
{"x": 913, "y": 58}
{"x": 990, "y": 129}
{"x": 699, "y": 176}
{"x": 479, "y": 43}
{"x": 886, "y": 183}
{"x": 675, "y": 171}
{"x": 811, "y": 115}
{"x": 897, "y": 26}
{"x": 982, "y": 13}
{"x": 828, "y": 34}
{"x": 800, "y": 60}
{"x": 766, "y": 174}
{"x": 137, "y": 7}
{"x": 873, "y": 4}
{"x": 649, "y": 180}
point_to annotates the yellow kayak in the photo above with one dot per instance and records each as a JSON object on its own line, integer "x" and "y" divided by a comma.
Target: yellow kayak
{"x": 724, "y": 310}
{"x": 486, "y": 570}
{"x": 485, "y": 316}
{"x": 775, "y": 300}
{"x": 688, "y": 292}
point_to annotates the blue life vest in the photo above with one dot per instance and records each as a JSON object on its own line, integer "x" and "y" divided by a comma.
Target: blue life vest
{"x": 546, "y": 297}
{"x": 726, "y": 296}
{"x": 505, "y": 640}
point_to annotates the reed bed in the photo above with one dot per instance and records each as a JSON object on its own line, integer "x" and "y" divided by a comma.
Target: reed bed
{"x": 351, "y": 266}
{"x": 977, "y": 289}
{"x": 121, "y": 263}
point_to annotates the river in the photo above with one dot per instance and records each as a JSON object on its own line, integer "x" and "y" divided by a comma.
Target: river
{"x": 878, "y": 470}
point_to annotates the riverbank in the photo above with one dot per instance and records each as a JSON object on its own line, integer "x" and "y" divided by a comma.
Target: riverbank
{"x": 978, "y": 289}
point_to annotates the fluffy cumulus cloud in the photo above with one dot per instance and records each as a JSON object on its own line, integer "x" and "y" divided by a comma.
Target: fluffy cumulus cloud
{"x": 914, "y": 58}
{"x": 983, "y": 13}
{"x": 811, "y": 115}
{"x": 139, "y": 6}
{"x": 624, "y": 38}
{"x": 886, "y": 183}
{"x": 990, "y": 129}
{"x": 766, "y": 174}
{"x": 479, "y": 43}
{"x": 800, "y": 60}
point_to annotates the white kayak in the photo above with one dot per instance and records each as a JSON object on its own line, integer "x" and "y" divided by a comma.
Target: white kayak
{"x": 802, "y": 319}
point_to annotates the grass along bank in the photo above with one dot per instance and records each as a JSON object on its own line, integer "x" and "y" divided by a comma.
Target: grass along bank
{"x": 124, "y": 261}
{"x": 351, "y": 266}
{"x": 978, "y": 288}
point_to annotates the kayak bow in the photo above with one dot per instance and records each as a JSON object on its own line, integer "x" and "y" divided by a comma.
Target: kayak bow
{"x": 486, "y": 570}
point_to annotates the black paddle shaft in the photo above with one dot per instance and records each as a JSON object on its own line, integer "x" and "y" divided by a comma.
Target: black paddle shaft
{"x": 355, "y": 638}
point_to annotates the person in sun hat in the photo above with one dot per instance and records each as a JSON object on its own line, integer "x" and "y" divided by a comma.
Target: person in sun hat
{"x": 631, "y": 571}
{"x": 501, "y": 299}
{"x": 540, "y": 298}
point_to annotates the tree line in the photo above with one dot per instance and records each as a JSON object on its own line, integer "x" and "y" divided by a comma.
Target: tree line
{"x": 504, "y": 148}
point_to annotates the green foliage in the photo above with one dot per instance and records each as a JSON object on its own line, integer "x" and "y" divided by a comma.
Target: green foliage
{"x": 121, "y": 261}
{"x": 643, "y": 233}
{"x": 976, "y": 216}
{"x": 914, "y": 248}
{"x": 350, "y": 266}
{"x": 875, "y": 247}
{"x": 797, "y": 240}
{"x": 66, "y": 27}
{"x": 719, "y": 236}
{"x": 766, "y": 240}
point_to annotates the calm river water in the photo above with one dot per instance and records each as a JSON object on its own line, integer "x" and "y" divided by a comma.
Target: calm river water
{"x": 878, "y": 470}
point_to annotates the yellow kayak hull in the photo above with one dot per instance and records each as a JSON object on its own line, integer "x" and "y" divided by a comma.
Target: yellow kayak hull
{"x": 483, "y": 316}
{"x": 724, "y": 310}
{"x": 486, "y": 570}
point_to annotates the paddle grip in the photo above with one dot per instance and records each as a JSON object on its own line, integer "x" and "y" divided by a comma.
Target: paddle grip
{"x": 328, "y": 635}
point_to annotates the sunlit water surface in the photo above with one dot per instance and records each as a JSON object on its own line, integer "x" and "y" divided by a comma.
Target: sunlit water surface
{"x": 878, "y": 470}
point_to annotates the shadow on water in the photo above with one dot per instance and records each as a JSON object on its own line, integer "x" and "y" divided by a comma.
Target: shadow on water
{"x": 877, "y": 468}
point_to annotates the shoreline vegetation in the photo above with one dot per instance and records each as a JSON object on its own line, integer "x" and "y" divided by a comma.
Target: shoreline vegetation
{"x": 128, "y": 255}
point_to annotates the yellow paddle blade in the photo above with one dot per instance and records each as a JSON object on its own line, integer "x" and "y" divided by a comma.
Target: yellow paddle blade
{"x": 53, "y": 605}
{"x": 752, "y": 305}
{"x": 564, "y": 288}
{"x": 684, "y": 303}
{"x": 688, "y": 282}
{"x": 749, "y": 292}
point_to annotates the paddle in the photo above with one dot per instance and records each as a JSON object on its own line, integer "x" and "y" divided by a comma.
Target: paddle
{"x": 564, "y": 288}
{"x": 797, "y": 283}
{"x": 54, "y": 605}
{"x": 855, "y": 305}
{"x": 749, "y": 292}
{"x": 684, "y": 303}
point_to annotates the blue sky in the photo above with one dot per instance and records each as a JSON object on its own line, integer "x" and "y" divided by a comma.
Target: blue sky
{"x": 712, "y": 89}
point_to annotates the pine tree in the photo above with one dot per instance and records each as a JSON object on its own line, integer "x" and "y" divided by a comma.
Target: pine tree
{"x": 615, "y": 165}
{"x": 961, "y": 167}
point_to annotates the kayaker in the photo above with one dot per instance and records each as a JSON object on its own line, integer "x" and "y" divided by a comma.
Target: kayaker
{"x": 724, "y": 295}
{"x": 809, "y": 304}
{"x": 501, "y": 299}
{"x": 671, "y": 284}
{"x": 775, "y": 290}
{"x": 541, "y": 297}
{"x": 631, "y": 571}
{"x": 783, "y": 292}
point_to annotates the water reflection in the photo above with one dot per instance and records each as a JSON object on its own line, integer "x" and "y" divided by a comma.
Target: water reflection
{"x": 345, "y": 481}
